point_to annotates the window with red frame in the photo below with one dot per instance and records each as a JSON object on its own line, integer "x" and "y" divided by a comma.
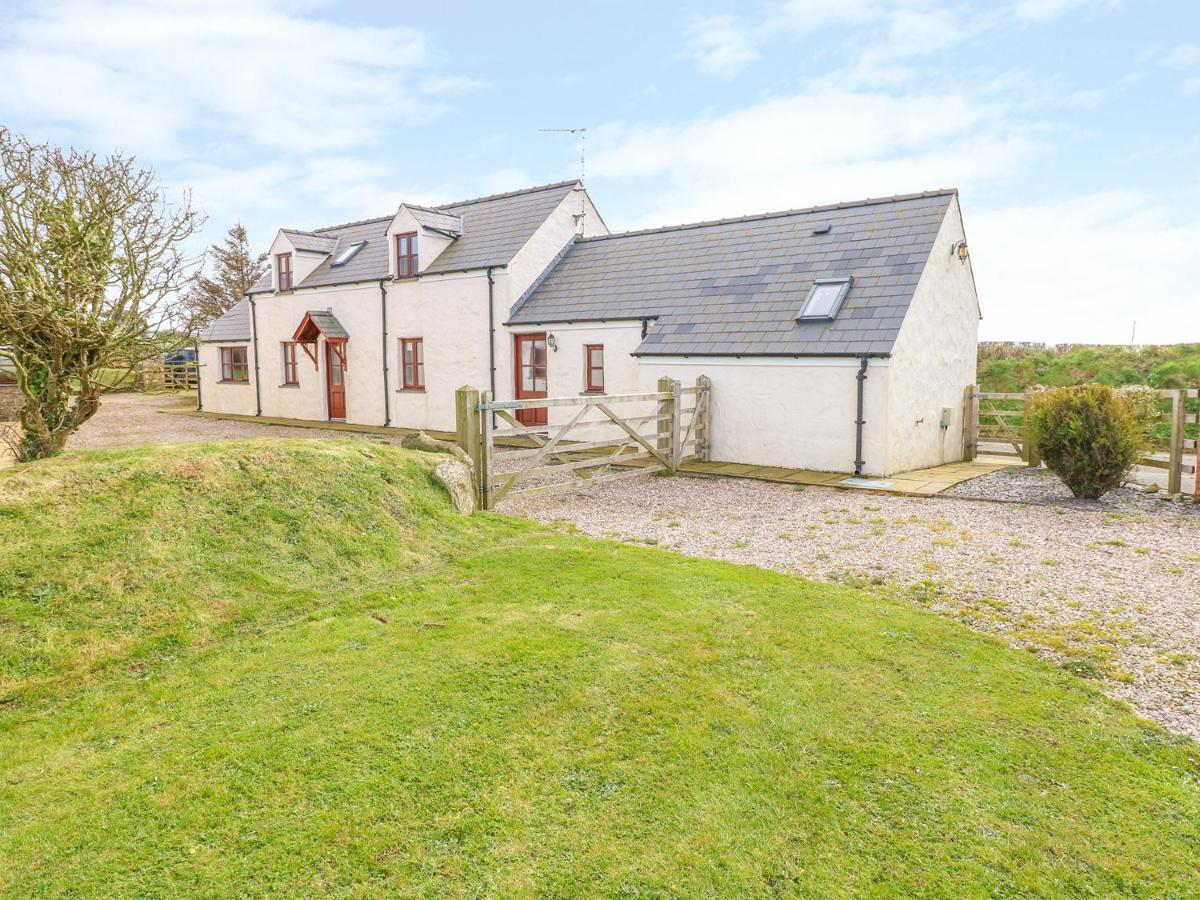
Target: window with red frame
{"x": 289, "y": 363}
{"x": 593, "y": 368}
{"x": 283, "y": 271}
{"x": 234, "y": 365}
{"x": 412, "y": 363}
{"x": 406, "y": 255}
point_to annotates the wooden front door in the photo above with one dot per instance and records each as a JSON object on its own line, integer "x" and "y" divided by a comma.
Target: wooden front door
{"x": 335, "y": 378}
{"x": 530, "y": 355}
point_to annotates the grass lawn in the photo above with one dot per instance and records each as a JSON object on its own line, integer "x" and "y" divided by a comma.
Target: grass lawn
{"x": 290, "y": 668}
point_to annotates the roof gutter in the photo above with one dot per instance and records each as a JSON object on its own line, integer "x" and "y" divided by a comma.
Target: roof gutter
{"x": 254, "y": 343}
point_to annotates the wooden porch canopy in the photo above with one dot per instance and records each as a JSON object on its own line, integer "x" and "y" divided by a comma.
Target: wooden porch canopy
{"x": 317, "y": 324}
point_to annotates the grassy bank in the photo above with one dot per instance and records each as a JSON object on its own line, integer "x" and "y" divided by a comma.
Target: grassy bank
{"x": 275, "y": 668}
{"x": 1007, "y": 368}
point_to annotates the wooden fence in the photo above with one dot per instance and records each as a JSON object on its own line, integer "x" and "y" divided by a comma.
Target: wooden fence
{"x": 597, "y": 434}
{"x": 155, "y": 375}
{"x": 1000, "y": 418}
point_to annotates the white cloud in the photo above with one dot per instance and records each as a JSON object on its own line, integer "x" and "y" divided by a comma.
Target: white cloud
{"x": 1083, "y": 269}
{"x": 1048, "y": 10}
{"x": 818, "y": 146}
{"x": 157, "y": 77}
{"x": 1183, "y": 56}
{"x": 720, "y": 45}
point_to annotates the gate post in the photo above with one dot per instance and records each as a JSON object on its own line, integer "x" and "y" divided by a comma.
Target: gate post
{"x": 703, "y": 416}
{"x": 667, "y": 415}
{"x": 1028, "y": 450}
{"x": 466, "y": 422}
{"x": 971, "y": 422}
{"x": 676, "y": 425}
{"x": 1175, "y": 465}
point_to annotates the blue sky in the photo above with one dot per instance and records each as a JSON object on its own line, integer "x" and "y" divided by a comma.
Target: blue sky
{"x": 1071, "y": 127}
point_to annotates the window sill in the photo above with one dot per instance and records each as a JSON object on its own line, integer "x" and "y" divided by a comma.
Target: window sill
{"x": 233, "y": 381}
{"x": 410, "y": 390}
{"x": 289, "y": 384}
{"x": 591, "y": 393}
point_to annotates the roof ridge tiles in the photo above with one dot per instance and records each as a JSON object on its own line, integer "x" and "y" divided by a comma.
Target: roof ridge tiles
{"x": 443, "y": 208}
{"x": 528, "y": 190}
{"x": 757, "y": 217}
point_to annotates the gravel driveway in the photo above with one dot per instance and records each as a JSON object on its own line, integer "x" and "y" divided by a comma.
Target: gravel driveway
{"x": 1112, "y": 595}
{"x": 131, "y": 420}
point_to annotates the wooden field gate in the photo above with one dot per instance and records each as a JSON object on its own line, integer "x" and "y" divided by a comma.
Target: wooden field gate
{"x": 1000, "y": 418}
{"x": 593, "y": 437}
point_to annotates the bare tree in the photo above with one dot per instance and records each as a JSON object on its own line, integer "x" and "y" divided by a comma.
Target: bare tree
{"x": 91, "y": 265}
{"x": 237, "y": 269}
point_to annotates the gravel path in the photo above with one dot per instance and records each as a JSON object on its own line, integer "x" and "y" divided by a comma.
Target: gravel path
{"x": 1108, "y": 593}
{"x": 1043, "y": 487}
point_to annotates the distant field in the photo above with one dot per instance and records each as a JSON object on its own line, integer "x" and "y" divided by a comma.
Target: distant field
{"x": 1006, "y": 368}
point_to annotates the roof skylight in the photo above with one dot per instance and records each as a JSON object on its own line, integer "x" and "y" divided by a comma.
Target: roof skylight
{"x": 825, "y": 298}
{"x": 346, "y": 255}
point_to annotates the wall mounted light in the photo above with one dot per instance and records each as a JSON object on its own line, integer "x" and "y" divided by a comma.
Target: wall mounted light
{"x": 959, "y": 249}
{"x": 551, "y": 343}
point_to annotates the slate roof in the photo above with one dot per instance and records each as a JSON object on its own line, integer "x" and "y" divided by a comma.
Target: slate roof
{"x": 328, "y": 324}
{"x": 439, "y": 221}
{"x": 733, "y": 287}
{"x": 306, "y": 240}
{"x": 234, "y": 326}
{"x": 493, "y": 229}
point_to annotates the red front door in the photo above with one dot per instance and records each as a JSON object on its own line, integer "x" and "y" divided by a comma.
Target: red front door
{"x": 530, "y": 354}
{"x": 335, "y": 378}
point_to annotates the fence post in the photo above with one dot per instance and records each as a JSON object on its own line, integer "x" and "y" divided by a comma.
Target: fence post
{"x": 703, "y": 417}
{"x": 466, "y": 427}
{"x": 664, "y": 425}
{"x": 1175, "y": 465}
{"x": 1028, "y": 450}
{"x": 486, "y": 440}
{"x": 971, "y": 422}
{"x": 676, "y": 425}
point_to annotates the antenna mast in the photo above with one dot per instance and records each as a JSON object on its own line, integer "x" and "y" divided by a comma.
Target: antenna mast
{"x": 582, "y": 132}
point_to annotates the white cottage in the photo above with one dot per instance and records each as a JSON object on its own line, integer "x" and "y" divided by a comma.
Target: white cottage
{"x": 838, "y": 338}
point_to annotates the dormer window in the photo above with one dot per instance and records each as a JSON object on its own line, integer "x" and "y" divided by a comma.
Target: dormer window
{"x": 824, "y": 299}
{"x": 283, "y": 271}
{"x": 406, "y": 255}
{"x": 346, "y": 255}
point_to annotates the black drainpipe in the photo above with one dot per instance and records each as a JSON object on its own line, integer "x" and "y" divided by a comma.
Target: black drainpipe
{"x": 491, "y": 334}
{"x": 387, "y": 402}
{"x": 859, "y": 421}
{"x": 199, "y": 395}
{"x": 254, "y": 339}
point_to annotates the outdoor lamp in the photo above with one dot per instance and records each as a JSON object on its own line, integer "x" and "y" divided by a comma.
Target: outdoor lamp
{"x": 551, "y": 343}
{"x": 960, "y": 250}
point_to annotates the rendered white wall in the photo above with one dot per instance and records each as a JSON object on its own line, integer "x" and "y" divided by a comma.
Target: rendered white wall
{"x": 218, "y": 396}
{"x": 303, "y": 261}
{"x": 792, "y": 413}
{"x": 934, "y": 358}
